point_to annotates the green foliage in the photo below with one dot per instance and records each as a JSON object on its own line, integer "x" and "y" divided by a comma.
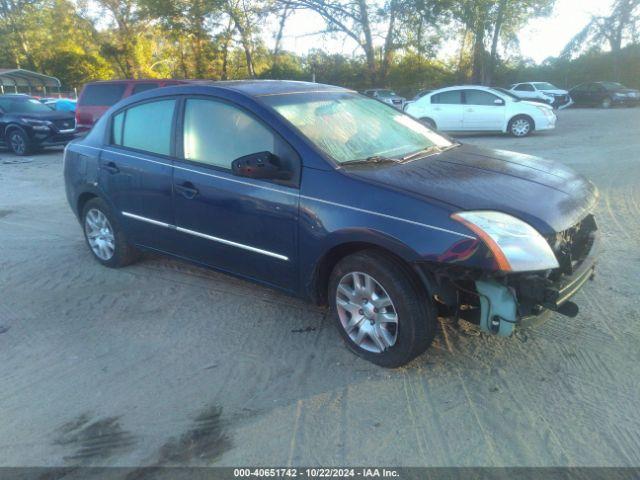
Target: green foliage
{"x": 397, "y": 41}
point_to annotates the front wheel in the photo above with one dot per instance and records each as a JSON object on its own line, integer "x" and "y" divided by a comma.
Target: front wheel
{"x": 520, "y": 126}
{"x": 381, "y": 312}
{"x": 105, "y": 238}
{"x": 606, "y": 102}
{"x": 19, "y": 142}
{"x": 428, "y": 123}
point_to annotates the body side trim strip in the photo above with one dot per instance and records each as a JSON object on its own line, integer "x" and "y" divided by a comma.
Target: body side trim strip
{"x": 207, "y": 237}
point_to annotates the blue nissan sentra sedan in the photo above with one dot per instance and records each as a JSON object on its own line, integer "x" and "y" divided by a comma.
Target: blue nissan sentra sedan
{"x": 339, "y": 199}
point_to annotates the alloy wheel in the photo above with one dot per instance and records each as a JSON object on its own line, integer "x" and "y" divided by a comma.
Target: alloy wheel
{"x": 520, "y": 127}
{"x": 18, "y": 144}
{"x": 366, "y": 312}
{"x": 99, "y": 234}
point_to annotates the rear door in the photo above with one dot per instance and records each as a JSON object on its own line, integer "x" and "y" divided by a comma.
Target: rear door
{"x": 446, "y": 109}
{"x": 240, "y": 225}
{"x": 136, "y": 169}
{"x": 483, "y": 111}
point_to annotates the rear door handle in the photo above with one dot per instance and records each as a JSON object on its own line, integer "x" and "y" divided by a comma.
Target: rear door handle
{"x": 111, "y": 167}
{"x": 470, "y": 110}
{"x": 187, "y": 190}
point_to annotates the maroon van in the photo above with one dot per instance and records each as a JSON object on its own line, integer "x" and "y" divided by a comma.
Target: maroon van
{"x": 97, "y": 97}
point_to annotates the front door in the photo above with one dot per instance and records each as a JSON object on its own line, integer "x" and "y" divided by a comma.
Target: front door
{"x": 240, "y": 225}
{"x": 136, "y": 168}
{"x": 483, "y": 111}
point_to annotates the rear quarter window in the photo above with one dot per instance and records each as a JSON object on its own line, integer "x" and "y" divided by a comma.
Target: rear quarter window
{"x": 102, "y": 94}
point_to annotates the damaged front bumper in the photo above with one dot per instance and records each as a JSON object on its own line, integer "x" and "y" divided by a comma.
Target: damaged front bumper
{"x": 518, "y": 299}
{"x": 498, "y": 303}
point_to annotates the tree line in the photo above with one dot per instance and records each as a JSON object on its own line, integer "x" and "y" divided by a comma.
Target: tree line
{"x": 398, "y": 42}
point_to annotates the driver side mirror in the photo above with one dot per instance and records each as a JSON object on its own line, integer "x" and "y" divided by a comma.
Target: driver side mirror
{"x": 262, "y": 165}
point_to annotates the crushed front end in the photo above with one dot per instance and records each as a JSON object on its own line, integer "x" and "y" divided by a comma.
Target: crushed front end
{"x": 499, "y": 301}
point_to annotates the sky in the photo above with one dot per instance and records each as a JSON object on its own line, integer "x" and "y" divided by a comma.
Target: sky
{"x": 541, "y": 38}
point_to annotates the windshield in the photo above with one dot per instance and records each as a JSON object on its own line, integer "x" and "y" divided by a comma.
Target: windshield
{"x": 506, "y": 92}
{"x": 22, "y": 105}
{"x": 545, "y": 86}
{"x": 386, "y": 93}
{"x": 350, "y": 127}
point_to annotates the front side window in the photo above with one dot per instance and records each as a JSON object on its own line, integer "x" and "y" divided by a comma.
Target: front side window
{"x": 479, "y": 97}
{"x": 350, "y": 127}
{"x": 145, "y": 127}
{"x": 216, "y": 133}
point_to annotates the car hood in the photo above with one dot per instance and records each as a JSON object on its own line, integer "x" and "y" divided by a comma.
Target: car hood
{"x": 52, "y": 115}
{"x": 545, "y": 194}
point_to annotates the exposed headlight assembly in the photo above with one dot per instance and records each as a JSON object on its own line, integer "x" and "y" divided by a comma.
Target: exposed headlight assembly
{"x": 516, "y": 245}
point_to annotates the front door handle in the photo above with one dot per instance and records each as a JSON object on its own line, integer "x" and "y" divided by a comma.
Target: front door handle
{"x": 111, "y": 167}
{"x": 187, "y": 190}
{"x": 470, "y": 110}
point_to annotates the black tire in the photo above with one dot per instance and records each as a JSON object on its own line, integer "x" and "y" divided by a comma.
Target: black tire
{"x": 124, "y": 253}
{"x": 18, "y": 142}
{"x": 416, "y": 314}
{"x": 429, "y": 123}
{"x": 514, "y": 126}
{"x": 606, "y": 103}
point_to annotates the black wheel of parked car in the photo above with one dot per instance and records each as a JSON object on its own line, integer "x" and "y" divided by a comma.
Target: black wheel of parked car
{"x": 105, "y": 238}
{"x": 606, "y": 102}
{"x": 380, "y": 310}
{"x": 18, "y": 142}
{"x": 520, "y": 126}
{"x": 429, "y": 123}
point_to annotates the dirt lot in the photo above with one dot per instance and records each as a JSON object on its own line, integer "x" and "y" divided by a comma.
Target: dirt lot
{"x": 163, "y": 362}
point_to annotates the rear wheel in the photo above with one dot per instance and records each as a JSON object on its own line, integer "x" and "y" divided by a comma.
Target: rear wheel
{"x": 18, "y": 142}
{"x": 381, "y": 312}
{"x": 520, "y": 126}
{"x": 105, "y": 238}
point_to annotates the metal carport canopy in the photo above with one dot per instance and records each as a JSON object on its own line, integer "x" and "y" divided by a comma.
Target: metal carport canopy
{"x": 17, "y": 77}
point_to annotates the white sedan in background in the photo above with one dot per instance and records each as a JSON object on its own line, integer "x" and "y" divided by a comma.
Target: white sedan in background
{"x": 481, "y": 109}
{"x": 542, "y": 91}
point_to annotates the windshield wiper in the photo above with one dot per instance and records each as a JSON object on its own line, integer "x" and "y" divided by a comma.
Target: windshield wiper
{"x": 419, "y": 153}
{"x": 372, "y": 159}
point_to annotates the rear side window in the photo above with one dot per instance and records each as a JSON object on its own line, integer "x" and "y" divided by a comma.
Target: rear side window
{"x": 145, "y": 127}
{"x": 143, "y": 87}
{"x": 103, "y": 95}
{"x": 216, "y": 133}
{"x": 450, "y": 98}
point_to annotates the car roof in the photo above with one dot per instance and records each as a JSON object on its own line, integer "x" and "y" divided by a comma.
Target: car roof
{"x": 463, "y": 87}
{"x": 256, "y": 88}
